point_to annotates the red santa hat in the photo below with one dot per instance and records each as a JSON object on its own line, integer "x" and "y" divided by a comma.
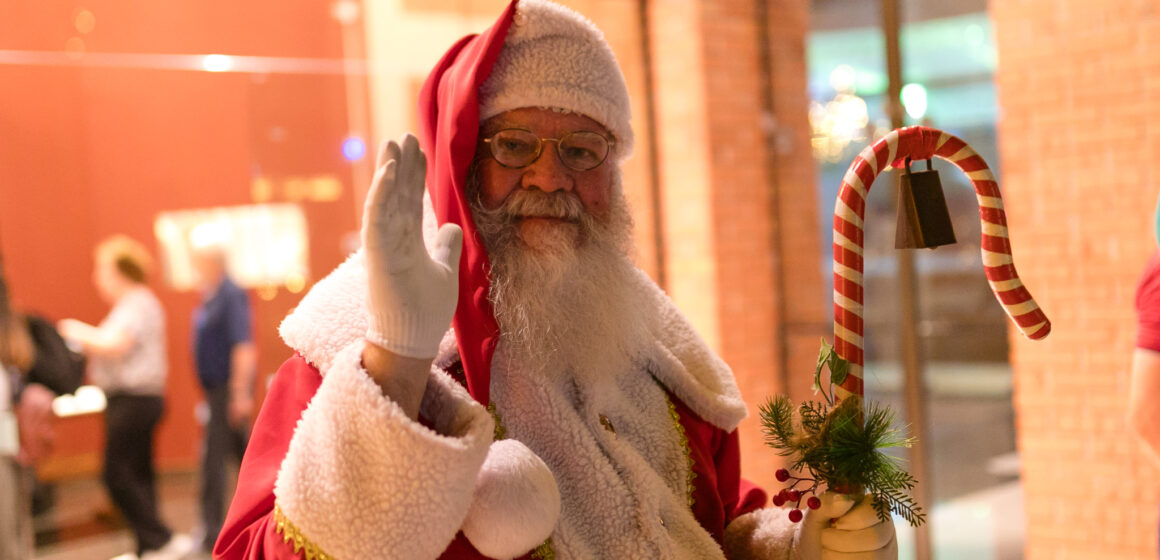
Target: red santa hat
{"x": 538, "y": 54}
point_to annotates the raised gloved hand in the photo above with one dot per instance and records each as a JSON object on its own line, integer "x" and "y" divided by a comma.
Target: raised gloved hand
{"x": 846, "y": 528}
{"x": 411, "y": 295}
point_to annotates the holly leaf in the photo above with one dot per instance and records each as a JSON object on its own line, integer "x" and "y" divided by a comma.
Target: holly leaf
{"x": 824, "y": 353}
{"x": 823, "y": 359}
{"x": 839, "y": 369}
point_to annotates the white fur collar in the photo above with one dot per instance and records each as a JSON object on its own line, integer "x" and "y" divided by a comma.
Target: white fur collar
{"x": 333, "y": 314}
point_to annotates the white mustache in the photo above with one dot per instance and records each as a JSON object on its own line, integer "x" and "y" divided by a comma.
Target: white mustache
{"x": 561, "y": 205}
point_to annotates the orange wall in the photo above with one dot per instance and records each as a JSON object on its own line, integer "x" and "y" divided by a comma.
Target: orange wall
{"x": 88, "y": 150}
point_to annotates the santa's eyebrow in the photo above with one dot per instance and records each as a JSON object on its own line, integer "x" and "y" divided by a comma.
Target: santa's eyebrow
{"x": 496, "y": 127}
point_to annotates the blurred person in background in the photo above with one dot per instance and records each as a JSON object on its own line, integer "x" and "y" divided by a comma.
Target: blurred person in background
{"x": 226, "y": 365}
{"x": 571, "y": 412}
{"x": 35, "y": 366}
{"x": 127, "y": 357}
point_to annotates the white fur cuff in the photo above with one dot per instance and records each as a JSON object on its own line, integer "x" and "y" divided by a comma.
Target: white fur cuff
{"x": 516, "y": 505}
{"x": 760, "y": 535}
{"x": 363, "y": 481}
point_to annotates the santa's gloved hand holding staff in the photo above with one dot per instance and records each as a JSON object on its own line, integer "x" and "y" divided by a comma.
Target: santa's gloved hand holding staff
{"x": 835, "y": 444}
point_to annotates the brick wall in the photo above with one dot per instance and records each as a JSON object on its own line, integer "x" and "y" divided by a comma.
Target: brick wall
{"x": 741, "y": 236}
{"x": 1079, "y": 93}
{"x": 738, "y": 228}
{"x": 805, "y": 312}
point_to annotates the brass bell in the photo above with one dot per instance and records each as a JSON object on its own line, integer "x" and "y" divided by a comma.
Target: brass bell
{"x": 923, "y": 219}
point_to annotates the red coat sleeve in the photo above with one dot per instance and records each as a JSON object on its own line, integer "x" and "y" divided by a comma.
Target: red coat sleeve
{"x": 720, "y": 495}
{"x": 249, "y": 532}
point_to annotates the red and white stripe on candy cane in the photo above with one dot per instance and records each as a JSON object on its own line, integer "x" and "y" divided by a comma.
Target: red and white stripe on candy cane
{"x": 918, "y": 143}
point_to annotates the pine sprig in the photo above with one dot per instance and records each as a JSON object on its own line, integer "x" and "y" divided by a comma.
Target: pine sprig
{"x": 841, "y": 444}
{"x": 891, "y": 496}
{"x": 777, "y": 423}
{"x": 813, "y": 416}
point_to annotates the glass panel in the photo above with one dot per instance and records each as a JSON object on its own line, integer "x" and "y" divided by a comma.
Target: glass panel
{"x": 265, "y": 245}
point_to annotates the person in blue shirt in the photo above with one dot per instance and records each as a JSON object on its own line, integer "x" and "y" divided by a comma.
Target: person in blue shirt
{"x": 226, "y": 361}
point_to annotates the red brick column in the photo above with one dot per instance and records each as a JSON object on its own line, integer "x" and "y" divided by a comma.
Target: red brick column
{"x": 805, "y": 309}
{"x": 1079, "y": 101}
{"x": 737, "y": 191}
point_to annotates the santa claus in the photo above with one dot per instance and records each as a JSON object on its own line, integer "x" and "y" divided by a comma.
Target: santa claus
{"x": 570, "y": 412}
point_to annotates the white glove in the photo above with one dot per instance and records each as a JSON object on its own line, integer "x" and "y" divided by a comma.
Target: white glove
{"x": 411, "y": 295}
{"x": 856, "y": 533}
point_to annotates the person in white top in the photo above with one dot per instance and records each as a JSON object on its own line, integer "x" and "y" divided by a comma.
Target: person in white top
{"x": 128, "y": 362}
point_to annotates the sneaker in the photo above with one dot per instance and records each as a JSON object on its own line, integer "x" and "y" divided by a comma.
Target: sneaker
{"x": 178, "y": 547}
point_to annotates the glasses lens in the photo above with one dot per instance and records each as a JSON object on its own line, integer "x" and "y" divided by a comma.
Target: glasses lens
{"x": 514, "y": 147}
{"x": 583, "y": 150}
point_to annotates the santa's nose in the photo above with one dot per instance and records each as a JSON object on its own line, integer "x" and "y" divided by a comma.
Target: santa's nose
{"x": 548, "y": 173}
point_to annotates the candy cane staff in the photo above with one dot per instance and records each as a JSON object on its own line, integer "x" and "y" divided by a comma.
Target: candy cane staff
{"x": 571, "y": 411}
{"x": 838, "y": 443}
{"x": 896, "y": 149}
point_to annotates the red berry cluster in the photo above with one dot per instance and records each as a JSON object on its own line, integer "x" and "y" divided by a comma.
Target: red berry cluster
{"x": 791, "y": 494}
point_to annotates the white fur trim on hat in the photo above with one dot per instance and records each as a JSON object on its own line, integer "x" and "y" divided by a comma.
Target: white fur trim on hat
{"x": 556, "y": 58}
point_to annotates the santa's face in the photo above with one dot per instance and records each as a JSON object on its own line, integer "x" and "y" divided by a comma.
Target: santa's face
{"x": 540, "y": 225}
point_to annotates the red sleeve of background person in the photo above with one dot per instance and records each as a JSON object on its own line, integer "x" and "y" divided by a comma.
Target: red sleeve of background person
{"x": 1148, "y": 306}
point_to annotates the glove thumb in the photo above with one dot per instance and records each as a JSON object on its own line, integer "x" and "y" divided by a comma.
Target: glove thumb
{"x": 834, "y": 505}
{"x": 448, "y": 247}
{"x": 809, "y": 537}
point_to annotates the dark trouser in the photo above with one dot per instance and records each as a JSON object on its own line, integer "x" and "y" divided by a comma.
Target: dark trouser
{"x": 222, "y": 442}
{"x": 130, "y": 423}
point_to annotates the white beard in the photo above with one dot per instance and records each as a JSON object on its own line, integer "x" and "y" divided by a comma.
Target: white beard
{"x": 558, "y": 289}
{"x": 576, "y": 330}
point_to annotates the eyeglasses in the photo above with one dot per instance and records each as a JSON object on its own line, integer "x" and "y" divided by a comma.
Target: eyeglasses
{"x": 580, "y": 150}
